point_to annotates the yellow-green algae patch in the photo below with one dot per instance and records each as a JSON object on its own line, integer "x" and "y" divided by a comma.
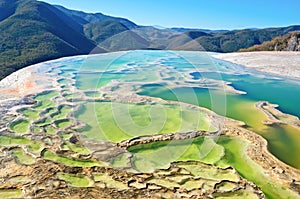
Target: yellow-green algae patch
{"x": 72, "y": 96}
{"x": 33, "y": 146}
{"x": 20, "y": 126}
{"x": 23, "y": 158}
{"x": 164, "y": 183}
{"x": 76, "y": 180}
{"x": 109, "y": 181}
{"x": 44, "y": 122}
{"x": 194, "y": 184}
{"x": 148, "y": 157}
{"x": 50, "y": 130}
{"x": 10, "y": 193}
{"x": 44, "y": 104}
{"x": 68, "y": 161}
{"x": 235, "y": 156}
{"x": 63, "y": 123}
{"x": 45, "y": 100}
{"x": 121, "y": 160}
{"x": 62, "y": 113}
{"x": 46, "y": 96}
{"x": 66, "y": 136}
{"x": 30, "y": 114}
{"x": 76, "y": 148}
{"x": 206, "y": 150}
{"x": 120, "y": 121}
{"x": 157, "y": 155}
{"x": 226, "y": 186}
{"x": 210, "y": 172}
{"x": 37, "y": 130}
{"x": 49, "y": 111}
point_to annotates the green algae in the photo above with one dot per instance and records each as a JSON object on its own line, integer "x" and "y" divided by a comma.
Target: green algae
{"x": 230, "y": 152}
{"x": 65, "y": 136}
{"x": 164, "y": 183}
{"x": 46, "y": 95}
{"x": 120, "y": 160}
{"x": 62, "y": 113}
{"x": 68, "y": 161}
{"x": 148, "y": 157}
{"x": 131, "y": 120}
{"x": 235, "y": 156}
{"x": 23, "y": 158}
{"x": 10, "y": 193}
{"x": 226, "y": 186}
{"x": 34, "y": 146}
{"x": 30, "y": 114}
{"x": 44, "y": 104}
{"x": 77, "y": 148}
{"x": 282, "y": 139}
{"x": 210, "y": 173}
{"x": 109, "y": 181}
{"x": 20, "y": 126}
{"x": 50, "y": 130}
{"x": 63, "y": 123}
{"x": 49, "y": 111}
{"x": 45, "y": 100}
{"x": 206, "y": 150}
{"x": 72, "y": 96}
{"x": 43, "y": 122}
{"x": 37, "y": 130}
{"x": 193, "y": 184}
{"x": 76, "y": 180}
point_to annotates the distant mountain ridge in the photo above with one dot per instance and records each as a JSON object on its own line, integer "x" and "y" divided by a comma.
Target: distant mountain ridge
{"x": 85, "y": 18}
{"x": 288, "y": 42}
{"x": 34, "y": 31}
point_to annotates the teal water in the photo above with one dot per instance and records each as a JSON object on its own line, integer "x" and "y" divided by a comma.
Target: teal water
{"x": 283, "y": 140}
{"x": 286, "y": 93}
{"x": 177, "y": 76}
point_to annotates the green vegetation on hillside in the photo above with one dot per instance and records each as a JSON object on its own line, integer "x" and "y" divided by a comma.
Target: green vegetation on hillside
{"x": 100, "y": 31}
{"x": 230, "y": 41}
{"x": 289, "y": 42}
{"x": 35, "y": 32}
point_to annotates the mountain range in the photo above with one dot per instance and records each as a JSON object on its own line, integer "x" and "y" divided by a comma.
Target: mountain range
{"x": 32, "y": 31}
{"x": 287, "y": 42}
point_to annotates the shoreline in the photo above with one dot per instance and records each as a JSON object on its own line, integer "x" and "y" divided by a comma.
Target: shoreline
{"x": 275, "y": 116}
{"x": 279, "y": 63}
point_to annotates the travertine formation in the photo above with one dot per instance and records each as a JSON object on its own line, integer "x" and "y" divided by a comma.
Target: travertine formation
{"x": 50, "y": 159}
{"x": 280, "y": 63}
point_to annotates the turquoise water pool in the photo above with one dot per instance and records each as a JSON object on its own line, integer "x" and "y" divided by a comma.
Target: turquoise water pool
{"x": 196, "y": 78}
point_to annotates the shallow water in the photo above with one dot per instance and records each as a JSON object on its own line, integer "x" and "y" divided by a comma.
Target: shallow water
{"x": 157, "y": 70}
{"x": 283, "y": 140}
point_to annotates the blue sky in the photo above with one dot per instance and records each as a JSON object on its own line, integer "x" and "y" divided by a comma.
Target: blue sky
{"x": 211, "y": 14}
